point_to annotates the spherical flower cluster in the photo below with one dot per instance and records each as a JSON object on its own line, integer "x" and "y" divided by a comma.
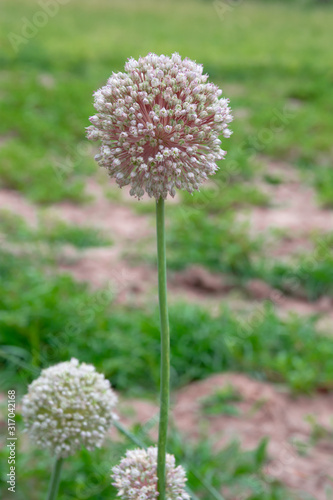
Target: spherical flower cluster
{"x": 159, "y": 123}
{"x": 136, "y": 477}
{"x": 69, "y": 406}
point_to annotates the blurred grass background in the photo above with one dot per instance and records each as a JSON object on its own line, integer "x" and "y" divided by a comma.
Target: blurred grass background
{"x": 273, "y": 60}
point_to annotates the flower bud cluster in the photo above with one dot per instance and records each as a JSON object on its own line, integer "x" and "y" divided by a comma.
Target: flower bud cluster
{"x": 159, "y": 123}
{"x": 136, "y": 477}
{"x": 69, "y": 406}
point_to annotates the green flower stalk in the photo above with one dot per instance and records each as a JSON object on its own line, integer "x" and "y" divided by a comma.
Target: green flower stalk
{"x": 55, "y": 479}
{"x": 159, "y": 123}
{"x": 165, "y": 348}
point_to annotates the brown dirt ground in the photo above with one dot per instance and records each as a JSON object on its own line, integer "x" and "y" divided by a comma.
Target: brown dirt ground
{"x": 293, "y": 209}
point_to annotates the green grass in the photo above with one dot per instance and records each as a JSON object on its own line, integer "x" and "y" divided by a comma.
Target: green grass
{"x": 308, "y": 276}
{"x": 47, "y": 85}
{"x": 51, "y": 231}
{"x": 225, "y": 195}
{"x": 48, "y": 318}
{"x": 219, "y": 243}
{"x": 44, "y": 179}
{"x": 323, "y": 181}
{"x": 220, "y": 402}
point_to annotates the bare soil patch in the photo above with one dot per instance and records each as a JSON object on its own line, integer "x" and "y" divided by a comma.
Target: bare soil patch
{"x": 19, "y": 205}
{"x": 119, "y": 222}
{"x": 294, "y": 207}
{"x": 103, "y": 267}
{"x": 261, "y": 291}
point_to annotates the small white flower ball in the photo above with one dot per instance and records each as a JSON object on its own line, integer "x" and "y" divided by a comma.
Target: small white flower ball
{"x": 69, "y": 406}
{"x": 136, "y": 477}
